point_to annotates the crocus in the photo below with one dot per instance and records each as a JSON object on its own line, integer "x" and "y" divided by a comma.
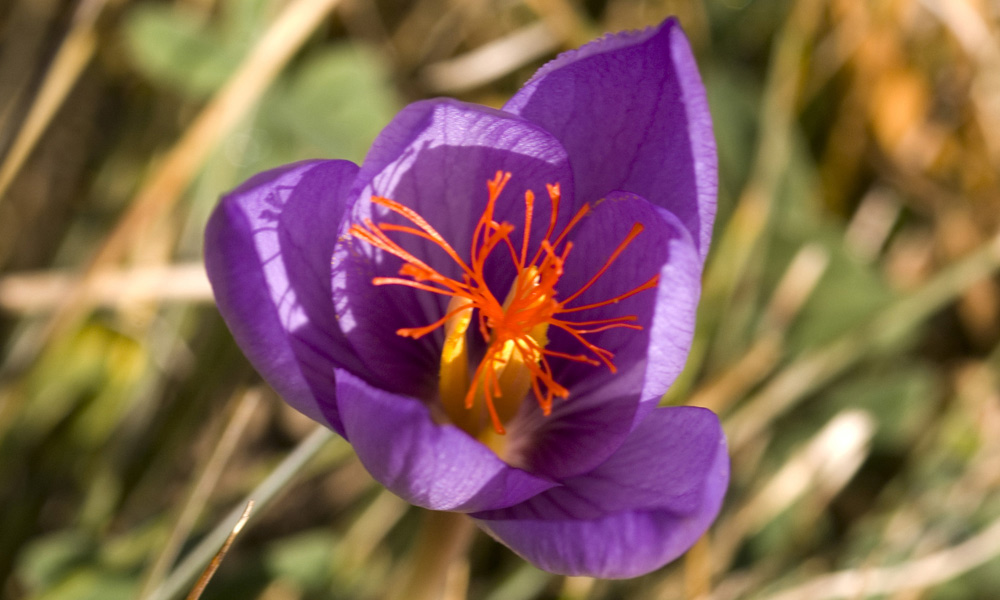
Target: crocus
{"x": 491, "y": 306}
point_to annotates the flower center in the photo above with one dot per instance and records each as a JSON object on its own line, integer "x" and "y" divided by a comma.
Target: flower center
{"x": 515, "y": 330}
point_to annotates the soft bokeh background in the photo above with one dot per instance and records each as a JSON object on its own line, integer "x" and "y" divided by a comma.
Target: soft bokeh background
{"x": 848, "y": 334}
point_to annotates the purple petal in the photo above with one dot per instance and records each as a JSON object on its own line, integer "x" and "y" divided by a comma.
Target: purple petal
{"x": 603, "y": 407}
{"x": 427, "y": 464}
{"x": 631, "y": 111}
{"x": 267, "y": 251}
{"x": 436, "y": 158}
{"x": 645, "y": 506}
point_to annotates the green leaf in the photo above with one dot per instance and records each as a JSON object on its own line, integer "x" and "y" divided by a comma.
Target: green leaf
{"x": 337, "y": 102}
{"x": 176, "y": 50}
{"x": 304, "y": 559}
{"x": 331, "y": 106}
{"x": 900, "y": 396}
{"x": 91, "y": 584}
{"x": 49, "y": 559}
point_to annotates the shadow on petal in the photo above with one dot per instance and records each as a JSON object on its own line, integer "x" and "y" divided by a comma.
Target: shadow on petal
{"x": 644, "y": 507}
{"x": 267, "y": 252}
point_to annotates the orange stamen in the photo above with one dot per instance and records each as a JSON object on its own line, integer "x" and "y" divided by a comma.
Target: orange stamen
{"x": 515, "y": 329}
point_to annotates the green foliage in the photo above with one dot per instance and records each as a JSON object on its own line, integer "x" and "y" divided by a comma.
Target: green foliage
{"x": 305, "y": 560}
{"x": 68, "y": 566}
{"x": 177, "y": 51}
{"x": 901, "y": 397}
{"x": 331, "y": 106}
{"x": 337, "y": 102}
{"x": 48, "y": 560}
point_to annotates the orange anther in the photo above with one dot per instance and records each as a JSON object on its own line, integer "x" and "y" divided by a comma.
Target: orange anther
{"x": 514, "y": 330}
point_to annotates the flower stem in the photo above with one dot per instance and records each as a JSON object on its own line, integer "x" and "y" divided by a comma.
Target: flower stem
{"x": 443, "y": 538}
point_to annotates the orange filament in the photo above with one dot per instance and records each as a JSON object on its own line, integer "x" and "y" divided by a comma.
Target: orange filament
{"x": 516, "y": 357}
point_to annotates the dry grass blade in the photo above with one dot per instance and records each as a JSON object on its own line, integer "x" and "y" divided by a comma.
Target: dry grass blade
{"x": 777, "y": 115}
{"x": 33, "y": 293}
{"x": 72, "y": 57}
{"x": 213, "y": 566}
{"x": 161, "y": 190}
{"x": 821, "y": 467}
{"x": 738, "y": 240}
{"x": 491, "y": 61}
{"x": 206, "y": 482}
{"x": 263, "y": 494}
{"x": 913, "y": 575}
{"x": 231, "y": 104}
{"x": 973, "y": 32}
{"x": 796, "y": 286}
{"x": 817, "y": 367}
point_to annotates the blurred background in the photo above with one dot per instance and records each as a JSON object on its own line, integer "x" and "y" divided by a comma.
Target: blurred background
{"x": 848, "y": 334}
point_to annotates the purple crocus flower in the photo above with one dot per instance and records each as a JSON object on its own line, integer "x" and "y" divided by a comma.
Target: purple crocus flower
{"x": 490, "y": 307}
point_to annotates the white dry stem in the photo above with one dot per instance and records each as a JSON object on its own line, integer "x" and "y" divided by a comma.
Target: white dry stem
{"x": 925, "y": 572}
{"x": 41, "y": 292}
{"x": 823, "y": 467}
{"x": 491, "y": 61}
